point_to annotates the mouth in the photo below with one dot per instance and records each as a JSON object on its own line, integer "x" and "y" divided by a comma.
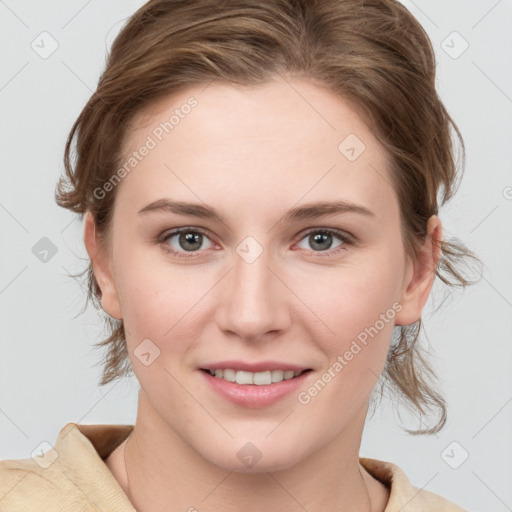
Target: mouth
{"x": 264, "y": 378}
{"x": 260, "y": 389}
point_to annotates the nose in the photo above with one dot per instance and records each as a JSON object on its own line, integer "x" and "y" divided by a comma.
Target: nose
{"x": 253, "y": 301}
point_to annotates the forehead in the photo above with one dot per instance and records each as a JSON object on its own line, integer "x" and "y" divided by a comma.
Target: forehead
{"x": 273, "y": 143}
{"x": 224, "y": 110}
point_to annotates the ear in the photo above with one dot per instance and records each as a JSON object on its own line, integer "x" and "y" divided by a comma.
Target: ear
{"x": 102, "y": 268}
{"x": 420, "y": 275}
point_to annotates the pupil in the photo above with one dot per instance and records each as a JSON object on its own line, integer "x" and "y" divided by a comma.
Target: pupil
{"x": 191, "y": 238}
{"x": 319, "y": 237}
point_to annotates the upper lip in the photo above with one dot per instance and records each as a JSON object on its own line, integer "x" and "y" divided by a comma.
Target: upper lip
{"x": 254, "y": 367}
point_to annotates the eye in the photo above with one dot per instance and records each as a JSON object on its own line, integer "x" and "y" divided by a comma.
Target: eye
{"x": 187, "y": 240}
{"x": 321, "y": 240}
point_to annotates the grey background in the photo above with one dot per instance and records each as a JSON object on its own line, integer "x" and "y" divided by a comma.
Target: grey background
{"x": 48, "y": 366}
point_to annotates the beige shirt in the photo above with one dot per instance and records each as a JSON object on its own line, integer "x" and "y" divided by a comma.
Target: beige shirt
{"x": 72, "y": 476}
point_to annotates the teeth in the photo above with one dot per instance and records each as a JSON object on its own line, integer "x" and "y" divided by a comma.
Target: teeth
{"x": 227, "y": 375}
{"x": 277, "y": 375}
{"x": 258, "y": 378}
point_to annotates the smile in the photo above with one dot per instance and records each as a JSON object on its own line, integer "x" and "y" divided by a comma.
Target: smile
{"x": 255, "y": 378}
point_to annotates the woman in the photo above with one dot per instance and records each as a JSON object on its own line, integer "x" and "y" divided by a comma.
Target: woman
{"x": 259, "y": 183}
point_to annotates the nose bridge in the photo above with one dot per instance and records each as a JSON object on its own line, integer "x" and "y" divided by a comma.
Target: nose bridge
{"x": 253, "y": 303}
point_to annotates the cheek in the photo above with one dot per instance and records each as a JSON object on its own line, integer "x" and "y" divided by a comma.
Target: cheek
{"x": 171, "y": 306}
{"x": 155, "y": 297}
{"x": 361, "y": 313}
{"x": 354, "y": 297}
{"x": 356, "y": 306}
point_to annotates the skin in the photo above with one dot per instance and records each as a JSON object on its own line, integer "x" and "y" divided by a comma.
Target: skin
{"x": 253, "y": 153}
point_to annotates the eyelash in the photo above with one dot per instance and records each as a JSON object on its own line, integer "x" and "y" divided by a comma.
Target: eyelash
{"x": 344, "y": 237}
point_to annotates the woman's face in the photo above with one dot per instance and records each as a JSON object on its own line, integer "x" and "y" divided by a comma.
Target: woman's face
{"x": 270, "y": 278}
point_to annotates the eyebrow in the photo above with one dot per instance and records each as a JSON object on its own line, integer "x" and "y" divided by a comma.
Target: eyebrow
{"x": 308, "y": 211}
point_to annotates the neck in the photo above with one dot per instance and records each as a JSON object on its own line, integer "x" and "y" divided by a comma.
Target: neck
{"x": 329, "y": 479}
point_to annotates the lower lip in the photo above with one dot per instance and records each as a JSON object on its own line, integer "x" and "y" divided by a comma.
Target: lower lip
{"x": 251, "y": 395}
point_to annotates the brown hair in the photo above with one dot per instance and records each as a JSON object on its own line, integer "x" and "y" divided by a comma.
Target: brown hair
{"x": 373, "y": 53}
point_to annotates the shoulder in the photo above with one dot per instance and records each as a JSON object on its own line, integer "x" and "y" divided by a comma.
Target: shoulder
{"x": 67, "y": 476}
{"x": 25, "y": 483}
{"x": 404, "y": 496}
{"x": 432, "y": 501}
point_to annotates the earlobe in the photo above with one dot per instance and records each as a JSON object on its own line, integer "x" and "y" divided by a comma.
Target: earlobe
{"x": 420, "y": 275}
{"x": 102, "y": 268}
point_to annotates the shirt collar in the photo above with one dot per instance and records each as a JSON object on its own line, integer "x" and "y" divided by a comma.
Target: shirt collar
{"x": 82, "y": 450}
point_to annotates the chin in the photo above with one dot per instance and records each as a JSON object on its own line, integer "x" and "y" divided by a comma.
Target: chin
{"x": 249, "y": 457}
